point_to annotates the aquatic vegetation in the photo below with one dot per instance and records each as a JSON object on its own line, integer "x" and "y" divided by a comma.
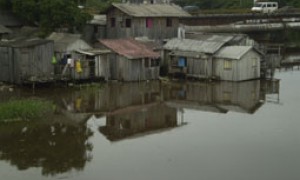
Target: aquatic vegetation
{"x": 26, "y": 109}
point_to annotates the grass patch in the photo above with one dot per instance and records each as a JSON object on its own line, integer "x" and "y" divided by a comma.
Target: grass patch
{"x": 27, "y": 109}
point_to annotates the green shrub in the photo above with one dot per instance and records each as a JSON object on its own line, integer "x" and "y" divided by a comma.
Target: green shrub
{"x": 27, "y": 109}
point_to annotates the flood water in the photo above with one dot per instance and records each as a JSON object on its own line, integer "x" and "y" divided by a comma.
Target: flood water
{"x": 159, "y": 131}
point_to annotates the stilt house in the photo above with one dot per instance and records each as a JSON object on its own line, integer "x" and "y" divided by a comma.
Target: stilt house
{"x": 130, "y": 60}
{"x": 190, "y": 57}
{"x": 26, "y": 61}
{"x": 237, "y": 63}
{"x": 155, "y": 21}
{"x": 65, "y": 47}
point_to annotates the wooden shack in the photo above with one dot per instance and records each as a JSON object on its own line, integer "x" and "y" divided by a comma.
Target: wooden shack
{"x": 91, "y": 60}
{"x": 155, "y": 21}
{"x": 26, "y": 61}
{"x": 237, "y": 63}
{"x": 130, "y": 60}
{"x": 66, "y": 43}
{"x": 65, "y": 47}
{"x": 192, "y": 58}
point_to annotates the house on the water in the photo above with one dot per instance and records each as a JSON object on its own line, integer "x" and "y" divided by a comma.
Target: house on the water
{"x": 237, "y": 63}
{"x": 68, "y": 65}
{"x": 129, "y": 60}
{"x": 190, "y": 57}
{"x": 156, "y": 21}
{"x": 26, "y": 61}
{"x": 66, "y": 43}
{"x": 211, "y": 60}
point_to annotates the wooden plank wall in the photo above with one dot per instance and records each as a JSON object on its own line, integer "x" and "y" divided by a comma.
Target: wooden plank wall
{"x": 6, "y": 64}
{"x": 34, "y": 61}
{"x": 138, "y": 27}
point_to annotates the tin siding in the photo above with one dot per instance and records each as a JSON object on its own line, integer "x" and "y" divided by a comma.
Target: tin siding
{"x": 221, "y": 73}
{"x": 241, "y": 69}
{"x": 247, "y": 70}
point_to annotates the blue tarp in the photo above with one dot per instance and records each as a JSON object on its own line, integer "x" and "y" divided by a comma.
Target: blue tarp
{"x": 182, "y": 62}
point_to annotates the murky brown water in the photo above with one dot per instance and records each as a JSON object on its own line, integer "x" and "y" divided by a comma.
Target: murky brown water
{"x": 161, "y": 131}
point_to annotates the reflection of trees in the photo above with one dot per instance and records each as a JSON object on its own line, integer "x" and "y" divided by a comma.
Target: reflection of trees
{"x": 55, "y": 147}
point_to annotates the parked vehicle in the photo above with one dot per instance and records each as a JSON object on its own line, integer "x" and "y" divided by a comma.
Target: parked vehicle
{"x": 265, "y": 7}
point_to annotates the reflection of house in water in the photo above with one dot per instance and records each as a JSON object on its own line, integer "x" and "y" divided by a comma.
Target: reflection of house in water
{"x": 130, "y": 108}
{"x": 221, "y": 97}
{"x": 140, "y": 121}
{"x": 112, "y": 96}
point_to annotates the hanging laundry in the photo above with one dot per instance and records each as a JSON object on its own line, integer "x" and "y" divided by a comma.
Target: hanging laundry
{"x": 54, "y": 61}
{"x": 71, "y": 62}
{"x": 78, "y": 66}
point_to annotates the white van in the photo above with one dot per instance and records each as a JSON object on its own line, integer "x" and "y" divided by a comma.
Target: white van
{"x": 265, "y": 7}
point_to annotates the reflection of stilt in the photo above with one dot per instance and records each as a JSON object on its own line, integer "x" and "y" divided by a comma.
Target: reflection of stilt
{"x": 64, "y": 70}
{"x": 273, "y": 90}
{"x": 181, "y": 111}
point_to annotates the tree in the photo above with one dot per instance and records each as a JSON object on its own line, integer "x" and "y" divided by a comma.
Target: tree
{"x": 5, "y": 4}
{"x": 51, "y": 15}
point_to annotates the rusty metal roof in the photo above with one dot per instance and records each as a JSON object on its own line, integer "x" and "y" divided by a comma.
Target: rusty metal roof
{"x": 190, "y": 45}
{"x": 151, "y": 10}
{"x": 129, "y": 48}
{"x": 233, "y": 52}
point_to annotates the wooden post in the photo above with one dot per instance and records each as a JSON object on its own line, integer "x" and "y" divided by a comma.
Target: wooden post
{"x": 33, "y": 87}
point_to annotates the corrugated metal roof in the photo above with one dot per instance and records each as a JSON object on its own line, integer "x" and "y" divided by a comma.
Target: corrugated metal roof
{"x": 151, "y": 10}
{"x": 63, "y": 40}
{"x": 4, "y": 30}
{"x": 64, "y": 37}
{"x": 216, "y": 37}
{"x": 93, "y": 52}
{"x": 24, "y": 43}
{"x": 186, "y": 54}
{"x": 190, "y": 45}
{"x": 129, "y": 48}
{"x": 232, "y": 52}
